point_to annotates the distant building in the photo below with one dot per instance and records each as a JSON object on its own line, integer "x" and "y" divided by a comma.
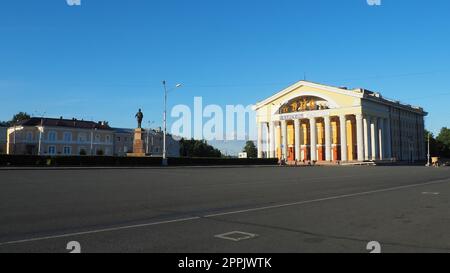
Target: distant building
{"x": 3, "y": 142}
{"x": 72, "y": 137}
{"x": 62, "y": 137}
{"x": 155, "y": 144}
{"x": 123, "y": 143}
{"x": 243, "y": 155}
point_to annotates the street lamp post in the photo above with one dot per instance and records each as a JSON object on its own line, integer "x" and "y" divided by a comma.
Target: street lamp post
{"x": 15, "y": 129}
{"x": 164, "y": 162}
{"x": 429, "y": 154}
{"x": 41, "y": 129}
{"x": 92, "y": 142}
{"x": 14, "y": 139}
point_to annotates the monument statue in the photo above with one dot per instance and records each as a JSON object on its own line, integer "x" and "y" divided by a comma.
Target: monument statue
{"x": 138, "y": 141}
{"x": 139, "y": 116}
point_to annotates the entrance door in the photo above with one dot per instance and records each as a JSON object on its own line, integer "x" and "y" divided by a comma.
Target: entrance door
{"x": 291, "y": 156}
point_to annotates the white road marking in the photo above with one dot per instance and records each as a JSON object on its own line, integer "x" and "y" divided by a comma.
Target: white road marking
{"x": 223, "y": 214}
{"x": 236, "y": 236}
{"x": 430, "y": 193}
{"x": 328, "y": 198}
{"x": 98, "y": 231}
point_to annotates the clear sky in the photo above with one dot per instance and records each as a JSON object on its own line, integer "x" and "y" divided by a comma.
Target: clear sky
{"x": 107, "y": 58}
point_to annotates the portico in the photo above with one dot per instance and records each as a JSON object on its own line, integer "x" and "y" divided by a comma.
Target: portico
{"x": 312, "y": 122}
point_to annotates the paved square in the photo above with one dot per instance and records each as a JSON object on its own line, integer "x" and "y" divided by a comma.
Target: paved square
{"x": 405, "y": 209}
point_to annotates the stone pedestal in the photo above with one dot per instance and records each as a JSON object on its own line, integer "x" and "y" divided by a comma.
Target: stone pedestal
{"x": 138, "y": 143}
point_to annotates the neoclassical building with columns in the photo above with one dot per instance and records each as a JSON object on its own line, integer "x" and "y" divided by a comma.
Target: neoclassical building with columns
{"x": 315, "y": 122}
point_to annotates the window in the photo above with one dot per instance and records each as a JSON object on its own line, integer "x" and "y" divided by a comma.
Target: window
{"x": 67, "y": 150}
{"x": 108, "y": 139}
{"x": 82, "y": 137}
{"x": 29, "y": 136}
{"x": 52, "y": 136}
{"x": 51, "y": 150}
{"x": 67, "y": 136}
{"x": 97, "y": 138}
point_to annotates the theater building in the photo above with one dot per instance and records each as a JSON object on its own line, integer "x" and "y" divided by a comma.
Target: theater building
{"x": 315, "y": 122}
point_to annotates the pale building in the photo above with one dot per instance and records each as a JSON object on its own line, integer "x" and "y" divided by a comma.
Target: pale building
{"x": 153, "y": 143}
{"x": 314, "y": 122}
{"x": 60, "y": 137}
{"x": 3, "y": 142}
{"x": 123, "y": 141}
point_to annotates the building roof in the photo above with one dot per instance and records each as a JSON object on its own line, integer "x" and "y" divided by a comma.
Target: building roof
{"x": 123, "y": 130}
{"x": 68, "y": 123}
{"x": 357, "y": 92}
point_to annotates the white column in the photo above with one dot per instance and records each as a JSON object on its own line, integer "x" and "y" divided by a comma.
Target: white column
{"x": 313, "y": 129}
{"x": 272, "y": 139}
{"x": 297, "y": 139}
{"x": 343, "y": 128}
{"x": 367, "y": 144}
{"x": 360, "y": 137}
{"x": 302, "y": 137}
{"x": 381, "y": 138}
{"x": 277, "y": 140}
{"x": 267, "y": 139}
{"x": 327, "y": 138}
{"x": 284, "y": 148}
{"x": 374, "y": 138}
{"x": 388, "y": 139}
{"x": 260, "y": 140}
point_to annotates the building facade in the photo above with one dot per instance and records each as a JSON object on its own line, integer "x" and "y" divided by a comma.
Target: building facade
{"x": 315, "y": 122}
{"x": 3, "y": 141}
{"x": 60, "y": 137}
{"x": 123, "y": 141}
{"x": 153, "y": 143}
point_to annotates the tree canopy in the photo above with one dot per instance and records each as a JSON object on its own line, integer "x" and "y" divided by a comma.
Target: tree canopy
{"x": 440, "y": 145}
{"x": 250, "y": 149}
{"x": 15, "y": 119}
{"x": 197, "y": 148}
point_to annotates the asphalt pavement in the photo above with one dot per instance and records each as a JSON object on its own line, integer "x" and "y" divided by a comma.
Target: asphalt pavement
{"x": 247, "y": 209}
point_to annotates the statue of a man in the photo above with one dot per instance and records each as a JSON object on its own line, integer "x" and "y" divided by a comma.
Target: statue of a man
{"x": 139, "y": 116}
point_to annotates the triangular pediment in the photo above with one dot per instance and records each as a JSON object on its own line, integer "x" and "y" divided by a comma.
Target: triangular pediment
{"x": 311, "y": 89}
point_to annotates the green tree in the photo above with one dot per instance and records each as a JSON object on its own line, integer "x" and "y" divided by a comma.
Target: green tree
{"x": 439, "y": 146}
{"x": 250, "y": 149}
{"x": 21, "y": 116}
{"x": 197, "y": 148}
{"x": 444, "y": 142}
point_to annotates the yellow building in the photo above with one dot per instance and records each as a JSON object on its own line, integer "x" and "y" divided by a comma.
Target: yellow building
{"x": 315, "y": 122}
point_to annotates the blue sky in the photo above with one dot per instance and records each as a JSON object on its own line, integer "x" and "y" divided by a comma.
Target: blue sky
{"x": 107, "y": 58}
